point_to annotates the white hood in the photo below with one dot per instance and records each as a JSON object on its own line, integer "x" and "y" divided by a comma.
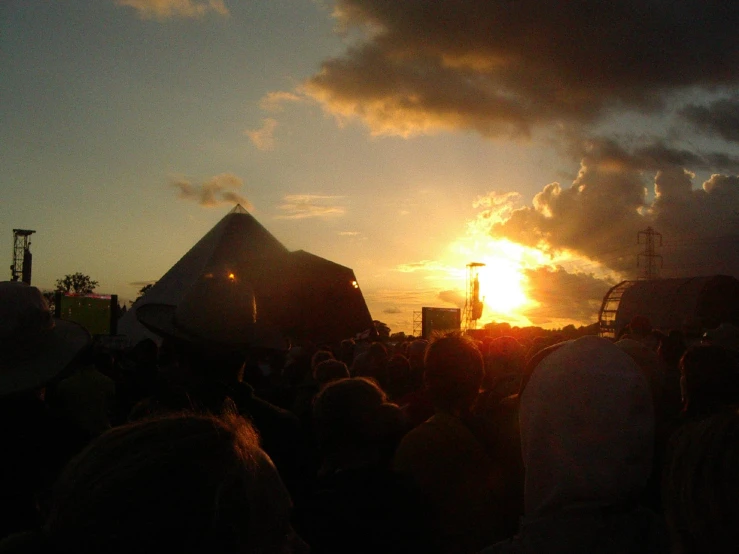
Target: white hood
{"x": 587, "y": 428}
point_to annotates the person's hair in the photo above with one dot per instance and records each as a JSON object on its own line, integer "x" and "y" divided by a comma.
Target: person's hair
{"x": 184, "y": 483}
{"x": 144, "y": 354}
{"x": 640, "y": 325}
{"x": 417, "y": 350}
{"x": 395, "y": 379}
{"x": 711, "y": 379}
{"x": 503, "y": 356}
{"x": 454, "y": 372}
{"x": 377, "y": 351}
{"x": 320, "y": 356}
{"x": 351, "y": 413}
{"x": 330, "y": 370}
{"x": 701, "y": 485}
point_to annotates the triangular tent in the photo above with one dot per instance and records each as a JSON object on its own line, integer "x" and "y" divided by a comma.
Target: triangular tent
{"x": 305, "y": 296}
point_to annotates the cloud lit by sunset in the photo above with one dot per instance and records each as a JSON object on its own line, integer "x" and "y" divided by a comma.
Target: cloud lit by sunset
{"x": 402, "y": 139}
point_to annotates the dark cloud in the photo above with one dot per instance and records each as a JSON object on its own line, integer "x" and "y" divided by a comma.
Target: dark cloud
{"x": 601, "y": 213}
{"x": 392, "y": 310}
{"x": 500, "y": 67}
{"x": 563, "y": 295}
{"x": 213, "y": 192}
{"x": 648, "y": 154}
{"x": 720, "y": 117}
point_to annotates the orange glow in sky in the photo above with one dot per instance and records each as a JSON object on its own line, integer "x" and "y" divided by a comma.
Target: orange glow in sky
{"x": 503, "y": 283}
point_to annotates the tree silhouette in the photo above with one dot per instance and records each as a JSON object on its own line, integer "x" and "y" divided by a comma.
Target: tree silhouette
{"x": 382, "y": 329}
{"x": 78, "y": 283}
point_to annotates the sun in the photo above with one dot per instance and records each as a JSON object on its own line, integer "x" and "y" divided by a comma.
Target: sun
{"x": 501, "y": 284}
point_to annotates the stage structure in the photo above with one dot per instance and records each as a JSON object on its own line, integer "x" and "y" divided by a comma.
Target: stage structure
{"x": 439, "y": 321}
{"x": 692, "y": 304}
{"x": 417, "y": 323}
{"x": 22, "y": 259}
{"x": 298, "y": 294}
{"x": 472, "y": 303}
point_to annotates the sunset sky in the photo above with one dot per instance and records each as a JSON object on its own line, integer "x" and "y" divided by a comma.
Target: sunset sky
{"x": 401, "y": 138}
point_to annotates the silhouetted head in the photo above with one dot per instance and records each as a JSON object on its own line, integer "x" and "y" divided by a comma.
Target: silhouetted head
{"x": 346, "y": 350}
{"x": 417, "y": 353}
{"x": 587, "y": 427}
{"x": 640, "y": 326}
{"x": 709, "y": 379}
{"x": 396, "y": 377}
{"x": 330, "y": 370}
{"x": 144, "y": 353}
{"x": 503, "y": 356}
{"x": 354, "y": 414}
{"x": 185, "y": 483}
{"x": 377, "y": 353}
{"x": 454, "y": 372}
{"x": 320, "y": 356}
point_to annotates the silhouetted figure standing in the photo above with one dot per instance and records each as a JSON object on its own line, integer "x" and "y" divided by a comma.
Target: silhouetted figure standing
{"x": 443, "y": 456}
{"x": 34, "y": 349}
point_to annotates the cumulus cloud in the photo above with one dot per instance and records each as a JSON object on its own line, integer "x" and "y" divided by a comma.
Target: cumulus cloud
{"x": 166, "y": 9}
{"x": 560, "y": 295}
{"x": 220, "y": 189}
{"x": 302, "y": 206}
{"x": 619, "y": 193}
{"x": 264, "y": 137}
{"x": 720, "y": 118}
{"x": 504, "y": 67}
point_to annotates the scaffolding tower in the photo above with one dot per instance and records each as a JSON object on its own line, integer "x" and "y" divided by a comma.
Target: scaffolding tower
{"x": 472, "y": 303}
{"x": 650, "y": 267}
{"x": 22, "y": 259}
{"x": 417, "y": 323}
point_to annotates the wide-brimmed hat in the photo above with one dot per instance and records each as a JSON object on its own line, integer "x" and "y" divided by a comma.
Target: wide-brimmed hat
{"x": 217, "y": 312}
{"x": 34, "y": 346}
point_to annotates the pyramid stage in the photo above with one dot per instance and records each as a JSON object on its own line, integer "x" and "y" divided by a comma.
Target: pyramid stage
{"x": 303, "y": 295}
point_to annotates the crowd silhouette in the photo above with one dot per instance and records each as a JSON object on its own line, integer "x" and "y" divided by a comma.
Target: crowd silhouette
{"x": 212, "y": 439}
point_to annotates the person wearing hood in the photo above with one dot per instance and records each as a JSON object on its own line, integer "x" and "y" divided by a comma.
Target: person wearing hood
{"x": 587, "y": 431}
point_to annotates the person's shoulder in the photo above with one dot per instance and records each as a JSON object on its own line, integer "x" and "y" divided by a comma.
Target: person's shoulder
{"x": 418, "y": 444}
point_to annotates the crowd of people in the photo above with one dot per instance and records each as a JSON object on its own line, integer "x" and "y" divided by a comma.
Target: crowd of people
{"x": 212, "y": 440}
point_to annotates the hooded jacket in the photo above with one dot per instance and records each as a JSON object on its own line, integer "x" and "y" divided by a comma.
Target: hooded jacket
{"x": 587, "y": 432}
